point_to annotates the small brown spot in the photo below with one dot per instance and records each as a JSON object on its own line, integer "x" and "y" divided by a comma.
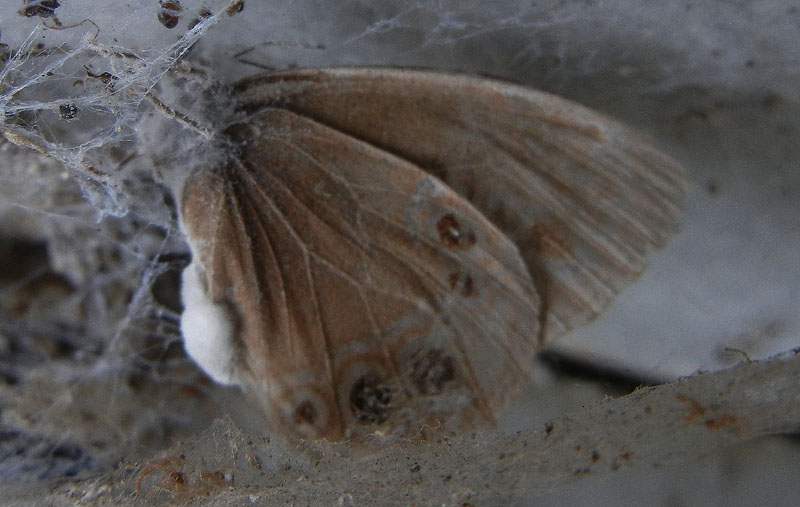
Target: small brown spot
{"x": 549, "y": 241}
{"x": 106, "y": 78}
{"x": 463, "y": 283}
{"x": 695, "y": 409}
{"x": 178, "y": 478}
{"x": 595, "y": 456}
{"x": 203, "y": 14}
{"x": 170, "y": 12}
{"x": 452, "y": 280}
{"x": 235, "y": 7}
{"x": 625, "y": 456}
{"x": 432, "y": 371}
{"x": 370, "y": 401}
{"x": 94, "y": 171}
{"x": 737, "y": 424}
{"x": 305, "y": 413}
{"x": 215, "y": 478}
{"x": 452, "y": 236}
{"x": 548, "y": 428}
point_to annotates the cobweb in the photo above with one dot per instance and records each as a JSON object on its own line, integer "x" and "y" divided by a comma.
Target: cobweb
{"x": 105, "y": 109}
{"x": 90, "y": 310}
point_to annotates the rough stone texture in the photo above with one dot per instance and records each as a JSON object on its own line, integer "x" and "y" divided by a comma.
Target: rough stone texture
{"x": 649, "y": 429}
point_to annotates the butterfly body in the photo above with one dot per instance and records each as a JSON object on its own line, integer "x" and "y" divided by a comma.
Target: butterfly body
{"x": 393, "y": 246}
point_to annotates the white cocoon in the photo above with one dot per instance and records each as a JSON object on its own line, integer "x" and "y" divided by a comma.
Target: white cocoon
{"x": 207, "y": 329}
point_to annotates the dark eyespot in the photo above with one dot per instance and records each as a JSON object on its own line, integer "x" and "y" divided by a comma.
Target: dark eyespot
{"x": 370, "y": 401}
{"x": 305, "y": 413}
{"x": 452, "y": 235}
{"x": 432, "y": 370}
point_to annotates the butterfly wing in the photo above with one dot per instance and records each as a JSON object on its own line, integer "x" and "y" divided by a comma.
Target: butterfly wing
{"x": 583, "y": 198}
{"x": 366, "y": 295}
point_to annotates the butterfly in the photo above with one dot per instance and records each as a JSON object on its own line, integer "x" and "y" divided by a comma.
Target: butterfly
{"x": 387, "y": 249}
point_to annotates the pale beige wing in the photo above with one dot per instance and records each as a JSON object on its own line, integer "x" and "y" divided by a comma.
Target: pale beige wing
{"x": 368, "y": 295}
{"x": 583, "y": 198}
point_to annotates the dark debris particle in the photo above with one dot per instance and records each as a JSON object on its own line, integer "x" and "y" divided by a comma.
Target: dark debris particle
{"x": 68, "y": 111}
{"x": 235, "y": 7}
{"x": 40, "y": 8}
{"x": 105, "y": 78}
{"x": 170, "y": 12}
{"x": 179, "y": 478}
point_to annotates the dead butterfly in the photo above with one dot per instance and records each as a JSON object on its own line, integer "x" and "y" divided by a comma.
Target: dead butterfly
{"x": 386, "y": 249}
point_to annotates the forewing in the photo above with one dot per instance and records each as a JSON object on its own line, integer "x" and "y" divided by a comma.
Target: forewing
{"x": 582, "y": 197}
{"x": 368, "y": 295}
